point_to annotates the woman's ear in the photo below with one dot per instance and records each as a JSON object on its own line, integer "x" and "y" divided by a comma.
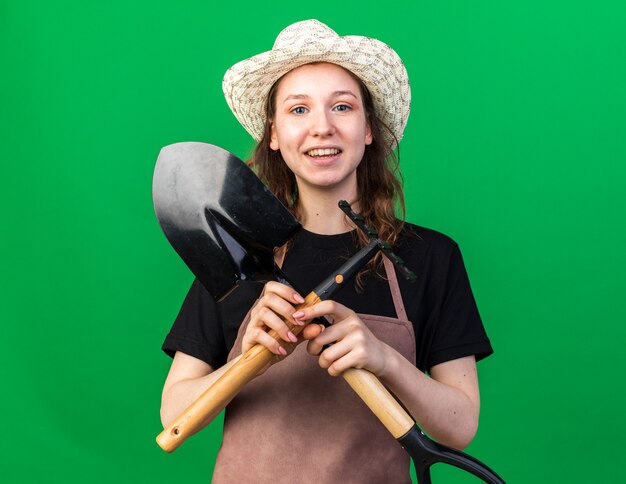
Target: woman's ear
{"x": 368, "y": 132}
{"x": 273, "y": 138}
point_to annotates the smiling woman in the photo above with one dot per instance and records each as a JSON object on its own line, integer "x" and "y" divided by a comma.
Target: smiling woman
{"x": 327, "y": 112}
{"x": 376, "y": 175}
{"x": 321, "y": 129}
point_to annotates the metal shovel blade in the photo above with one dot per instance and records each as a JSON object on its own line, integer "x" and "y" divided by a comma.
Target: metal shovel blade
{"x": 219, "y": 217}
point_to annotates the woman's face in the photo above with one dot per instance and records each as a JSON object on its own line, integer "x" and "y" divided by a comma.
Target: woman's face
{"x": 320, "y": 126}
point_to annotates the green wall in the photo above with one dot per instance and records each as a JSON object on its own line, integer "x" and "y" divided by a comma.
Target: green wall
{"x": 515, "y": 147}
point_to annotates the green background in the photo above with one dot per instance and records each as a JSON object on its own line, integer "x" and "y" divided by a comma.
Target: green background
{"x": 515, "y": 147}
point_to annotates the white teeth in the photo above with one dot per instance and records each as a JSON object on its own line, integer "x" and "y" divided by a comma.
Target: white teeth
{"x": 323, "y": 152}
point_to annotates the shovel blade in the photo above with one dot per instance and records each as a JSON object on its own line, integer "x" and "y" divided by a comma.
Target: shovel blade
{"x": 219, "y": 217}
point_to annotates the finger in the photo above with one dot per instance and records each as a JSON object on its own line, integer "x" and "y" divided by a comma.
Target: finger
{"x": 312, "y": 331}
{"x": 328, "y": 336}
{"x": 350, "y": 360}
{"x": 324, "y": 308}
{"x": 284, "y": 291}
{"x": 331, "y": 334}
{"x": 267, "y": 317}
{"x": 280, "y": 306}
{"x": 277, "y": 303}
{"x": 258, "y": 336}
{"x": 333, "y": 353}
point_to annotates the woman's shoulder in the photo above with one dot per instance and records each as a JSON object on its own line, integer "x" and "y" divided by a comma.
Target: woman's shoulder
{"x": 416, "y": 236}
{"x": 430, "y": 253}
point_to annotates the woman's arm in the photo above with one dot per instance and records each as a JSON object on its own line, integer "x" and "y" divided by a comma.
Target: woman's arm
{"x": 187, "y": 379}
{"x": 446, "y": 405}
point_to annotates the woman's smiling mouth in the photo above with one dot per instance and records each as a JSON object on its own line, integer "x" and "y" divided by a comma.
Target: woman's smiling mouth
{"x": 323, "y": 153}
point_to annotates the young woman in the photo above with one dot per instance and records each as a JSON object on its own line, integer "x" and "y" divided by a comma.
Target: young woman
{"x": 327, "y": 112}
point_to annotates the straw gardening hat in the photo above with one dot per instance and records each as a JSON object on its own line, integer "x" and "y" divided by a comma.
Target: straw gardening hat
{"x": 247, "y": 84}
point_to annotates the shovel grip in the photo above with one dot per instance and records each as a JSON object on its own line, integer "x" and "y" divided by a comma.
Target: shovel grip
{"x": 382, "y": 404}
{"x": 208, "y": 405}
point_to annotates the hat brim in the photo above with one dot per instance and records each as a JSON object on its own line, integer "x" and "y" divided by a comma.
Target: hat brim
{"x": 247, "y": 84}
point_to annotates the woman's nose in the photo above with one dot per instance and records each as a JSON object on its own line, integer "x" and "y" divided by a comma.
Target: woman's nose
{"x": 322, "y": 124}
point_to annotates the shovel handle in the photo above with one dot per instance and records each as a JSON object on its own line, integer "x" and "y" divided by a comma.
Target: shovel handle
{"x": 380, "y": 401}
{"x": 210, "y": 403}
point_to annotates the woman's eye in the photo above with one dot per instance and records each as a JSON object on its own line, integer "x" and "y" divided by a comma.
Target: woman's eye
{"x": 342, "y": 107}
{"x": 299, "y": 110}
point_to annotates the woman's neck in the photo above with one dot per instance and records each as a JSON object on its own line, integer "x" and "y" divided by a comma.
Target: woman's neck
{"x": 319, "y": 212}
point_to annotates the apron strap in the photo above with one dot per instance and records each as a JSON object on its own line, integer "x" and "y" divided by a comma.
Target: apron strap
{"x": 395, "y": 289}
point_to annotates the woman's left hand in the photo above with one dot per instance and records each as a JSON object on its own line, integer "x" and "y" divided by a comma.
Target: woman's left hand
{"x": 354, "y": 345}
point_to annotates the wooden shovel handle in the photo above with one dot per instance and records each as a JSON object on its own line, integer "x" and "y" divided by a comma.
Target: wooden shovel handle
{"x": 386, "y": 408}
{"x": 208, "y": 405}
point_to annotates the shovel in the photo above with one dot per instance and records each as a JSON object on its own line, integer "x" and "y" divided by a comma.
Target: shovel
{"x": 224, "y": 223}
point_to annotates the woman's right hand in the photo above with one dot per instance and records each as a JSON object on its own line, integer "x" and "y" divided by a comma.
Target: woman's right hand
{"x": 275, "y": 306}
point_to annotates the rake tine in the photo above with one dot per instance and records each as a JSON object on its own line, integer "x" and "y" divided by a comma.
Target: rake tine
{"x": 385, "y": 247}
